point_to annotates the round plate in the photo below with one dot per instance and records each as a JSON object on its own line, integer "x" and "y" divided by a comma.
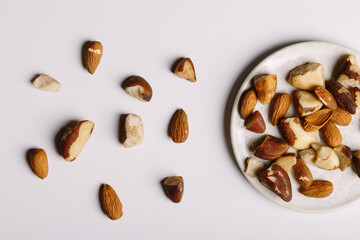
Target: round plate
{"x": 347, "y": 183}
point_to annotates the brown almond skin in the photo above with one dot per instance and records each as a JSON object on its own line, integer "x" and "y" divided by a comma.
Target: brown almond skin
{"x": 256, "y": 123}
{"x": 91, "y": 59}
{"x": 271, "y": 148}
{"x": 110, "y": 202}
{"x": 301, "y": 170}
{"x": 331, "y": 134}
{"x": 248, "y": 104}
{"x": 179, "y": 127}
{"x": 174, "y": 188}
{"x": 341, "y": 117}
{"x": 280, "y": 108}
{"x": 342, "y": 96}
{"x": 317, "y": 120}
{"x": 356, "y": 163}
{"x": 281, "y": 186}
{"x": 39, "y": 162}
{"x": 318, "y": 189}
{"x": 325, "y": 97}
{"x": 139, "y": 81}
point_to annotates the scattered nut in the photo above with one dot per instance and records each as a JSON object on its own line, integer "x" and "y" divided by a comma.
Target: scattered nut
{"x": 74, "y": 139}
{"x": 265, "y": 86}
{"x": 350, "y": 72}
{"x": 255, "y": 123}
{"x": 253, "y": 167}
{"x": 110, "y": 202}
{"x": 280, "y": 108}
{"x": 356, "y": 163}
{"x": 185, "y": 69}
{"x": 271, "y": 148}
{"x": 92, "y": 56}
{"x": 297, "y": 137}
{"x": 325, "y": 97}
{"x": 174, "y": 188}
{"x": 132, "y": 131}
{"x": 341, "y": 117}
{"x": 307, "y": 76}
{"x": 286, "y": 161}
{"x": 307, "y": 103}
{"x": 355, "y": 93}
{"x": 248, "y": 104}
{"x": 39, "y": 163}
{"x": 308, "y": 155}
{"x": 302, "y": 174}
{"x": 345, "y": 155}
{"x": 46, "y": 83}
{"x": 318, "y": 189}
{"x": 331, "y": 134}
{"x": 138, "y": 88}
{"x": 317, "y": 120}
{"x": 326, "y": 157}
{"x": 179, "y": 127}
{"x": 342, "y": 96}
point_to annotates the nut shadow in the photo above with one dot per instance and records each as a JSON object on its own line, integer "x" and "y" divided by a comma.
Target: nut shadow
{"x": 34, "y": 77}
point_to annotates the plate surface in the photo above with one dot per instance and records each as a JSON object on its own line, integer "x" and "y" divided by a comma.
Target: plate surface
{"x": 347, "y": 183}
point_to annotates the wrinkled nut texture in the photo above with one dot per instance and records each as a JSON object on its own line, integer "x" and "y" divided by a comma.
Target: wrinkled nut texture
{"x": 331, "y": 134}
{"x": 174, "y": 188}
{"x": 277, "y": 180}
{"x": 280, "y": 108}
{"x": 271, "y": 148}
{"x": 132, "y": 132}
{"x": 302, "y": 173}
{"x": 318, "y": 189}
{"x": 342, "y": 96}
{"x": 265, "y": 86}
{"x": 295, "y": 134}
{"x": 179, "y": 127}
{"x": 350, "y": 72}
{"x": 326, "y": 158}
{"x": 39, "y": 162}
{"x": 138, "y": 88}
{"x": 325, "y": 97}
{"x": 286, "y": 161}
{"x": 73, "y": 140}
{"x": 253, "y": 167}
{"x": 93, "y": 54}
{"x": 307, "y": 76}
{"x": 46, "y": 83}
{"x": 355, "y": 93}
{"x": 341, "y": 117}
{"x": 110, "y": 202}
{"x": 317, "y": 120}
{"x": 256, "y": 123}
{"x": 307, "y": 103}
{"x": 185, "y": 69}
{"x": 345, "y": 156}
{"x": 308, "y": 155}
{"x": 248, "y": 104}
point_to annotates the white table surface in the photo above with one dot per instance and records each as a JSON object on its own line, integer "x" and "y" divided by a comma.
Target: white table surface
{"x": 225, "y": 39}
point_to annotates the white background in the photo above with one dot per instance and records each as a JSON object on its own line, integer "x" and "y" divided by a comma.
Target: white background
{"x": 225, "y": 39}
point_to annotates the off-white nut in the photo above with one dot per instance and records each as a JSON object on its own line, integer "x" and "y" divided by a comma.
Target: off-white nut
{"x": 350, "y": 72}
{"x": 132, "y": 131}
{"x": 253, "y": 167}
{"x": 265, "y": 86}
{"x": 185, "y": 69}
{"x": 345, "y": 155}
{"x": 139, "y": 88}
{"x": 46, "y": 83}
{"x": 307, "y": 103}
{"x": 308, "y": 155}
{"x": 307, "y": 76}
{"x": 286, "y": 161}
{"x": 326, "y": 158}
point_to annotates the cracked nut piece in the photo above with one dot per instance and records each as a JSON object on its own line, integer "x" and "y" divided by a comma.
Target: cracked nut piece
{"x": 174, "y": 188}
{"x": 46, "y": 83}
{"x": 317, "y": 120}
{"x": 318, "y": 189}
{"x": 341, "y": 117}
{"x": 92, "y": 56}
{"x": 306, "y": 103}
{"x": 302, "y": 173}
{"x": 308, "y": 155}
{"x": 138, "y": 88}
{"x": 307, "y": 76}
{"x": 355, "y": 93}
{"x": 326, "y": 157}
{"x": 280, "y": 107}
{"x": 345, "y": 156}
{"x": 110, "y": 202}
{"x": 179, "y": 127}
{"x": 39, "y": 162}
{"x": 342, "y": 96}
{"x": 248, "y": 104}
{"x": 185, "y": 69}
{"x": 256, "y": 123}
{"x": 350, "y": 72}
{"x": 331, "y": 134}
{"x": 132, "y": 131}
{"x": 356, "y": 163}
{"x": 286, "y": 161}
{"x": 74, "y": 139}
{"x": 297, "y": 137}
{"x": 253, "y": 167}
{"x": 271, "y": 148}
{"x": 265, "y": 86}
{"x": 325, "y": 97}
{"x": 277, "y": 180}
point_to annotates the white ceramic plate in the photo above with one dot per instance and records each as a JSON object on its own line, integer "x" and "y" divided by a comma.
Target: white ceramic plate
{"x": 347, "y": 183}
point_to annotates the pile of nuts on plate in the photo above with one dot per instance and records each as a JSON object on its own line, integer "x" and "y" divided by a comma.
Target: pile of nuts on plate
{"x": 75, "y": 137}
{"x": 322, "y": 106}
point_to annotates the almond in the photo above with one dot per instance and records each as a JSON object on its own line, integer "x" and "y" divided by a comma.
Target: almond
{"x": 110, "y": 202}
{"x": 325, "y": 97}
{"x": 302, "y": 173}
{"x": 185, "y": 69}
{"x": 280, "y": 108}
{"x": 317, "y": 120}
{"x": 318, "y": 189}
{"x": 341, "y": 117}
{"x": 179, "y": 127}
{"x": 92, "y": 56}
{"x": 265, "y": 86}
{"x": 255, "y": 123}
{"x": 331, "y": 134}
{"x": 248, "y": 104}
{"x": 39, "y": 163}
